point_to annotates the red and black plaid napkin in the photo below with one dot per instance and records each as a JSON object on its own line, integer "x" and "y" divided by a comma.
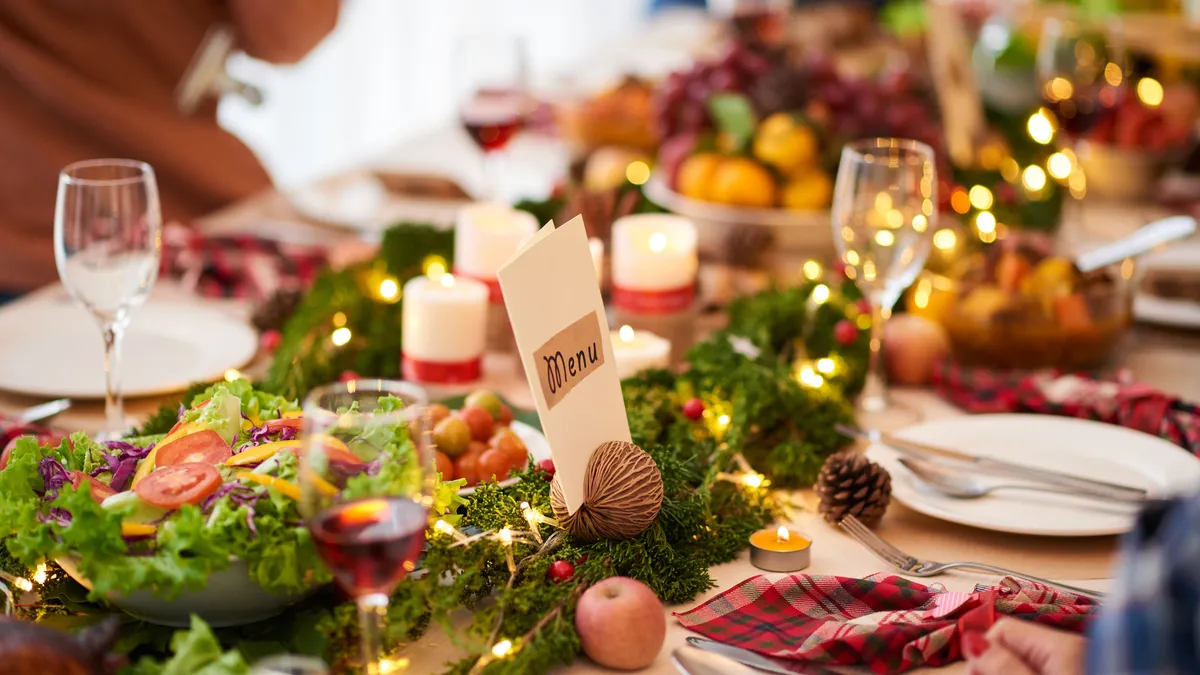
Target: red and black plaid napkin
{"x": 1117, "y": 401}
{"x": 237, "y": 266}
{"x": 886, "y": 623}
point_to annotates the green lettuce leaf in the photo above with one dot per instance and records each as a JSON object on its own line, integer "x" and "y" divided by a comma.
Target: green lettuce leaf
{"x": 259, "y": 405}
{"x": 196, "y": 651}
{"x": 223, "y": 414}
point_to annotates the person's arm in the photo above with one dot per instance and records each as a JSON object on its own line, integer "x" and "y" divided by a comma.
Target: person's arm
{"x": 282, "y": 31}
{"x": 1149, "y": 622}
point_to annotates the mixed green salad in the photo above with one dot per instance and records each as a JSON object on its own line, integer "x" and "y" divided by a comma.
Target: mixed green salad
{"x": 164, "y": 512}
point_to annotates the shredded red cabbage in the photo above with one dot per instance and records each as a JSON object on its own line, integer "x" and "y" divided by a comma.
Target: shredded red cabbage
{"x": 54, "y": 476}
{"x": 57, "y": 515}
{"x": 124, "y": 468}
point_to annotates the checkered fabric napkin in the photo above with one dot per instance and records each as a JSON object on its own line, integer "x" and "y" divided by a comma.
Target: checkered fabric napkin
{"x": 237, "y": 266}
{"x": 886, "y": 623}
{"x": 1116, "y": 401}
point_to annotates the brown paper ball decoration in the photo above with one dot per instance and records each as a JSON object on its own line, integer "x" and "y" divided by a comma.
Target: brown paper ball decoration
{"x": 622, "y": 494}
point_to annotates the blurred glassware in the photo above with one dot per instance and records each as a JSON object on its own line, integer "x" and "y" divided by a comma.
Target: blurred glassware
{"x": 107, "y": 246}
{"x": 492, "y": 72}
{"x": 1081, "y": 71}
{"x": 884, "y": 216}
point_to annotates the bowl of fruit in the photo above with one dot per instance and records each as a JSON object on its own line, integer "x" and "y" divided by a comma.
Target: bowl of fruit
{"x": 754, "y": 138}
{"x": 1127, "y": 151}
{"x": 480, "y": 440}
{"x": 1017, "y": 306}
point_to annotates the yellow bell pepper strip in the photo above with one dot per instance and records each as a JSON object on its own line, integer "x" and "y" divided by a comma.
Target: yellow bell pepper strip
{"x": 137, "y": 530}
{"x": 262, "y": 452}
{"x": 148, "y": 463}
{"x": 282, "y": 486}
{"x": 323, "y": 486}
{"x": 291, "y": 414}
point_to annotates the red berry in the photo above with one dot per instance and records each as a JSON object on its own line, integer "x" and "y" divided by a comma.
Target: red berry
{"x": 270, "y": 339}
{"x": 547, "y": 465}
{"x": 845, "y": 332}
{"x": 347, "y": 376}
{"x": 864, "y": 306}
{"x": 560, "y": 570}
{"x": 693, "y": 409}
{"x": 839, "y": 266}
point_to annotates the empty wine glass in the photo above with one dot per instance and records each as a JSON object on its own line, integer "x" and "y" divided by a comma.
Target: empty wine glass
{"x": 367, "y": 483}
{"x": 107, "y": 246}
{"x": 884, "y": 215}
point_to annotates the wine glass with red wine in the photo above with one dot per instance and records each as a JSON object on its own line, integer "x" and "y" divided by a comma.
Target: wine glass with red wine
{"x": 493, "y": 96}
{"x": 367, "y": 483}
{"x": 1081, "y": 72}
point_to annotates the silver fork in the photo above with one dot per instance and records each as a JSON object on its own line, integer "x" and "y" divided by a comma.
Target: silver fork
{"x": 916, "y": 567}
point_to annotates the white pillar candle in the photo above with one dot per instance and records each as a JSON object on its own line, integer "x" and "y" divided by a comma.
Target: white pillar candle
{"x": 654, "y": 263}
{"x": 444, "y": 328}
{"x": 486, "y": 235}
{"x": 636, "y": 351}
{"x": 597, "y": 246}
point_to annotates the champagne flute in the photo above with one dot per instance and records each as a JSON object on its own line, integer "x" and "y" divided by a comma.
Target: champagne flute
{"x": 107, "y": 246}
{"x": 493, "y": 100}
{"x": 884, "y": 215}
{"x": 368, "y": 533}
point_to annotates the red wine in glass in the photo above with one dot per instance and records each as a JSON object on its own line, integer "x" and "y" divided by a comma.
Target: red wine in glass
{"x": 1078, "y": 114}
{"x": 370, "y": 545}
{"x": 492, "y": 117}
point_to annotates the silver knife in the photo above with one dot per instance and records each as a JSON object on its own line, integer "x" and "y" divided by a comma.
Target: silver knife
{"x": 43, "y": 410}
{"x": 757, "y": 661}
{"x": 997, "y": 466}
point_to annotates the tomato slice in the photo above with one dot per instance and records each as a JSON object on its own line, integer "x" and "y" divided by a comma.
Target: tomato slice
{"x": 276, "y": 426}
{"x": 173, "y": 486}
{"x": 337, "y": 451}
{"x": 205, "y": 446}
{"x": 99, "y": 490}
{"x": 7, "y": 452}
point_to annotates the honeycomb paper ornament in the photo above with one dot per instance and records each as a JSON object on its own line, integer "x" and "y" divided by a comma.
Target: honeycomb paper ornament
{"x": 622, "y": 494}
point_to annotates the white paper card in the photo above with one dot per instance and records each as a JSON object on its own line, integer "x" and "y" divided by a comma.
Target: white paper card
{"x": 562, "y": 335}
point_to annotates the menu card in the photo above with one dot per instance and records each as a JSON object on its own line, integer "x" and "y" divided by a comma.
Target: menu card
{"x": 563, "y": 340}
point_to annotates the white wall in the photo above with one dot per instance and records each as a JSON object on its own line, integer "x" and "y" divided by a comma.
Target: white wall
{"x": 384, "y": 75}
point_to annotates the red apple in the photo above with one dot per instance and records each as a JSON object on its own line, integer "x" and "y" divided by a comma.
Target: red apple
{"x": 621, "y": 624}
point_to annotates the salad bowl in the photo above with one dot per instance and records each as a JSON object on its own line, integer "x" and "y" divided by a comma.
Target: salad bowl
{"x": 230, "y": 598}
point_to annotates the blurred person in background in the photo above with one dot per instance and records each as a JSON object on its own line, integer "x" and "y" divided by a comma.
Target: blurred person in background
{"x": 87, "y": 79}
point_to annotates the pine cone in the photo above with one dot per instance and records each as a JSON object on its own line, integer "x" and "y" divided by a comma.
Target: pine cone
{"x": 276, "y": 310}
{"x": 851, "y": 484}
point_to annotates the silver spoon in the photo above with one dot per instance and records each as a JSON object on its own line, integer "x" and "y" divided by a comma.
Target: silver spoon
{"x": 960, "y": 485}
{"x": 1144, "y": 239}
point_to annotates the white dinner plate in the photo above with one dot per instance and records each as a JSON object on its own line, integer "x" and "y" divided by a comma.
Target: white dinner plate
{"x": 1080, "y": 447}
{"x": 361, "y": 203}
{"x": 52, "y": 348}
{"x": 1174, "y": 312}
{"x": 535, "y": 442}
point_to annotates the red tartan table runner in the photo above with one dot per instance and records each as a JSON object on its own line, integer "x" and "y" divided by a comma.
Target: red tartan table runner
{"x": 1117, "y": 401}
{"x": 887, "y": 623}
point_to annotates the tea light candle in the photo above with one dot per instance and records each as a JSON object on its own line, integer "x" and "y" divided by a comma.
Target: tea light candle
{"x": 636, "y": 351}
{"x": 780, "y": 550}
{"x": 486, "y": 235}
{"x": 597, "y": 247}
{"x": 654, "y": 263}
{"x": 444, "y": 328}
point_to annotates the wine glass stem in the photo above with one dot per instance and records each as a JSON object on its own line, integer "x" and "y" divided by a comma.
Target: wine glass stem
{"x": 114, "y": 404}
{"x": 874, "y": 394}
{"x": 491, "y": 175}
{"x": 372, "y": 611}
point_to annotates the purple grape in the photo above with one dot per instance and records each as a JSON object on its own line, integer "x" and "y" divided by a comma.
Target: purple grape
{"x": 724, "y": 79}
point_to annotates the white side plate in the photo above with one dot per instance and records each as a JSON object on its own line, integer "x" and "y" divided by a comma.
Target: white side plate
{"x": 52, "y": 348}
{"x": 1079, "y": 447}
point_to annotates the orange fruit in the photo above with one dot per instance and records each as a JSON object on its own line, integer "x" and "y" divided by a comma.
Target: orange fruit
{"x": 785, "y": 143}
{"x": 807, "y": 191}
{"x": 696, "y": 175}
{"x": 743, "y": 182}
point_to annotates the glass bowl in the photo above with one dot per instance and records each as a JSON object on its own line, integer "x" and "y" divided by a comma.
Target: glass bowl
{"x": 1017, "y": 306}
